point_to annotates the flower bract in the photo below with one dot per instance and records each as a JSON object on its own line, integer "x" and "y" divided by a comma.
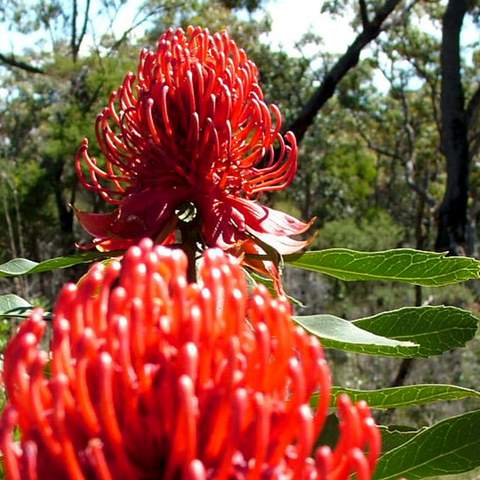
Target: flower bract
{"x": 149, "y": 376}
{"x": 190, "y": 131}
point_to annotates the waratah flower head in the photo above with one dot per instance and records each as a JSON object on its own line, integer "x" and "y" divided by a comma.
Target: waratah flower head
{"x": 149, "y": 376}
{"x": 190, "y": 130}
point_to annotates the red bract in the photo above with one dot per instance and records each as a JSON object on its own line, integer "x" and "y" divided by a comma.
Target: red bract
{"x": 151, "y": 377}
{"x": 191, "y": 128}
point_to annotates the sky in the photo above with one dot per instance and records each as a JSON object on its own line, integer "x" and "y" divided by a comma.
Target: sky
{"x": 291, "y": 19}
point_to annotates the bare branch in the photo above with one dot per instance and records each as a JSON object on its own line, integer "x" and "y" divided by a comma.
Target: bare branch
{"x": 137, "y": 24}
{"x": 84, "y": 26}
{"x": 364, "y": 14}
{"x": 73, "y": 39}
{"x": 406, "y": 160}
{"x": 344, "y": 64}
{"x": 13, "y": 62}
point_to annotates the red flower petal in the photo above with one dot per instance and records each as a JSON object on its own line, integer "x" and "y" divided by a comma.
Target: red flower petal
{"x": 191, "y": 126}
{"x": 267, "y": 220}
{"x": 96, "y": 224}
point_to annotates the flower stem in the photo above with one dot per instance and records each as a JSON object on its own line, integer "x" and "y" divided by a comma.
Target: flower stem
{"x": 189, "y": 246}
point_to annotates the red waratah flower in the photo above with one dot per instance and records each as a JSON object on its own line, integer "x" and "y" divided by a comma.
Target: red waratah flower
{"x": 191, "y": 129}
{"x": 152, "y": 377}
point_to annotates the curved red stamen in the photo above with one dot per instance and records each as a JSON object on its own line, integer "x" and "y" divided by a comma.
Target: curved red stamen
{"x": 152, "y": 376}
{"x": 191, "y": 126}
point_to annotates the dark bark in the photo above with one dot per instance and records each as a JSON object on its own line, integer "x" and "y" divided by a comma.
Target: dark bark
{"x": 11, "y": 61}
{"x": 65, "y": 213}
{"x": 452, "y": 214}
{"x": 76, "y": 41}
{"x": 73, "y": 39}
{"x": 371, "y": 30}
{"x": 403, "y": 371}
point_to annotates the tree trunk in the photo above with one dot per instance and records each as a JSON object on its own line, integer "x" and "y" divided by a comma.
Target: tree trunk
{"x": 452, "y": 214}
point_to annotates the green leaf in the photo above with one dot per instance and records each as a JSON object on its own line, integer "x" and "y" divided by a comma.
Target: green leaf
{"x": 448, "y": 447}
{"x": 22, "y": 266}
{"x": 344, "y": 335}
{"x": 395, "y": 435}
{"x": 435, "y": 329}
{"x": 406, "y": 265}
{"x": 407, "y": 332}
{"x": 13, "y": 306}
{"x": 392, "y": 435}
{"x": 405, "y": 396}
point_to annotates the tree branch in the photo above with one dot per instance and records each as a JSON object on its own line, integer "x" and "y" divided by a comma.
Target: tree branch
{"x": 13, "y": 62}
{"x": 136, "y": 24}
{"x": 73, "y": 39}
{"x": 344, "y": 64}
{"x": 407, "y": 164}
{"x": 84, "y": 27}
{"x": 364, "y": 14}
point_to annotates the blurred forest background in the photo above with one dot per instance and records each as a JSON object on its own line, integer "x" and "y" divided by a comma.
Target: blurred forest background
{"x": 389, "y": 135}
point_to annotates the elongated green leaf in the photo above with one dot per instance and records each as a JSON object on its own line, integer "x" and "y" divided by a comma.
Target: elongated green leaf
{"x": 448, "y": 447}
{"x": 344, "y": 335}
{"x": 394, "y": 436}
{"x": 435, "y": 329}
{"x": 22, "y": 266}
{"x": 406, "y": 265}
{"x": 13, "y": 306}
{"x": 405, "y": 396}
{"x": 407, "y": 332}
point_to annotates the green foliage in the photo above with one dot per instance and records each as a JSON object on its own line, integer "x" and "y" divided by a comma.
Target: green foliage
{"x": 401, "y": 265}
{"x": 395, "y": 435}
{"x": 451, "y": 446}
{"x": 339, "y": 333}
{"x": 23, "y": 266}
{"x": 376, "y": 231}
{"x": 12, "y": 306}
{"x": 407, "y": 332}
{"x": 405, "y": 396}
{"x": 434, "y": 329}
